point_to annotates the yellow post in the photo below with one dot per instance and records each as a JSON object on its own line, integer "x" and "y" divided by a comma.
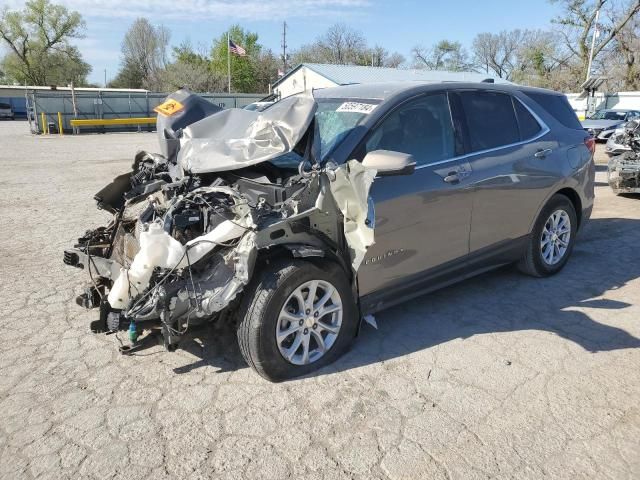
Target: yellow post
{"x": 44, "y": 125}
{"x": 60, "y": 124}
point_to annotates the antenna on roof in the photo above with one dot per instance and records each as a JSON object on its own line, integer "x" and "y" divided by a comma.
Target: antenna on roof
{"x": 488, "y": 80}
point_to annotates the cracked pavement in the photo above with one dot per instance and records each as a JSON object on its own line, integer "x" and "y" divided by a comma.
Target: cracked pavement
{"x": 501, "y": 376}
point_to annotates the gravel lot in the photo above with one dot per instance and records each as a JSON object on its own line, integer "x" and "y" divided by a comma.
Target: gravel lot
{"x": 502, "y": 376}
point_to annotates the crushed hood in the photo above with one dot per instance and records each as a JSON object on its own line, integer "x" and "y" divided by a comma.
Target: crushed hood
{"x": 236, "y": 138}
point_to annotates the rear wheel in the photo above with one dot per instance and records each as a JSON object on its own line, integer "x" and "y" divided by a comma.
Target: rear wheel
{"x": 296, "y": 317}
{"x": 552, "y": 238}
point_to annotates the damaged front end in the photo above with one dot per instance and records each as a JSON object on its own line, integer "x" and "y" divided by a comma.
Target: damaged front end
{"x": 623, "y": 173}
{"x": 191, "y": 225}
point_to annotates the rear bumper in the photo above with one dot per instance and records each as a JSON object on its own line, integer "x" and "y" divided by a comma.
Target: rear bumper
{"x": 586, "y": 215}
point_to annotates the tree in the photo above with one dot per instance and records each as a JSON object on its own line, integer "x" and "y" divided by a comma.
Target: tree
{"x": 444, "y": 55}
{"x": 38, "y": 39}
{"x": 191, "y": 69}
{"x": 577, "y": 23}
{"x": 243, "y": 68}
{"x": 626, "y": 54}
{"x": 144, "y": 55}
{"x": 130, "y": 75}
{"x": 500, "y": 53}
{"x": 341, "y": 45}
{"x": 380, "y": 57}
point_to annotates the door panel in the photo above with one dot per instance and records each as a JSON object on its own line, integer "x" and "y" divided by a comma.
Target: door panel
{"x": 509, "y": 186}
{"x": 421, "y": 222}
{"x": 423, "y": 219}
{"x": 510, "y": 154}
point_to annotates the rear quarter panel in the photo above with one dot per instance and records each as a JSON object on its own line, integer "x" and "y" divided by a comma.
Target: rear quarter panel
{"x": 571, "y": 164}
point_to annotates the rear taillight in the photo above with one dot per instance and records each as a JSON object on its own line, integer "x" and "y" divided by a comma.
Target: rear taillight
{"x": 590, "y": 142}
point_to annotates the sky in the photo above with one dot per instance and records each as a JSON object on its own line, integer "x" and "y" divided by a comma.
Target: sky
{"x": 397, "y": 25}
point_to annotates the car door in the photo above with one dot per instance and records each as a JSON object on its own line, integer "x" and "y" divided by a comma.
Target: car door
{"x": 509, "y": 152}
{"x": 422, "y": 219}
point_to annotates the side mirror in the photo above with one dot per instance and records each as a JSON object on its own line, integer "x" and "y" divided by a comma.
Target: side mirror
{"x": 389, "y": 163}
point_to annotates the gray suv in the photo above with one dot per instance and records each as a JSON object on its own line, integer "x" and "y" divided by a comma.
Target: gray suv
{"x": 296, "y": 222}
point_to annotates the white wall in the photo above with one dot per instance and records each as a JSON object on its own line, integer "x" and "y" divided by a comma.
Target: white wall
{"x": 620, "y": 100}
{"x": 302, "y": 80}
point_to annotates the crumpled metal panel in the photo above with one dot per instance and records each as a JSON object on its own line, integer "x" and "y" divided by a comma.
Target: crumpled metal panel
{"x": 237, "y": 138}
{"x": 350, "y": 190}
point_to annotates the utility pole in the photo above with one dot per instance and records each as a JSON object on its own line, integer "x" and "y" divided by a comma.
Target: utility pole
{"x": 105, "y": 78}
{"x": 593, "y": 43}
{"x": 284, "y": 48}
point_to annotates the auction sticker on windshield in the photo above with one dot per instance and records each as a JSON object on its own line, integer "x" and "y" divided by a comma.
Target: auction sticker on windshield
{"x": 169, "y": 107}
{"x": 356, "y": 107}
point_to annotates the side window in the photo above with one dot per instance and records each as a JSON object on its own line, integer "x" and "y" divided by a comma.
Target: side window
{"x": 421, "y": 127}
{"x": 529, "y": 126}
{"x": 557, "y": 106}
{"x": 491, "y": 120}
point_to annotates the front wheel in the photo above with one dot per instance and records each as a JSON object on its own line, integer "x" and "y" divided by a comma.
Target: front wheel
{"x": 552, "y": 238}
{"x": 296, "y": 317}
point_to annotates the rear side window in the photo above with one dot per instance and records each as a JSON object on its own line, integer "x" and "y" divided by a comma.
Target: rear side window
{"x": 529, "y": 126}
{"x": 558, "y": 107}
{"x": 491, "y": 120}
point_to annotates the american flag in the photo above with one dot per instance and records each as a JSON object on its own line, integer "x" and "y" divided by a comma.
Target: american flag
{"x": 237, "y": 49}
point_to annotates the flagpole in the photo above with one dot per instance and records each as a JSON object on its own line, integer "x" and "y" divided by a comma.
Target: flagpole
{"x": 228, "y": 62}
{"x": 593, "y": 43}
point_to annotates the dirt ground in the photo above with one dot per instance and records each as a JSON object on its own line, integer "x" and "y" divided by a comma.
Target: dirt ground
{"x": 502, "y": 376}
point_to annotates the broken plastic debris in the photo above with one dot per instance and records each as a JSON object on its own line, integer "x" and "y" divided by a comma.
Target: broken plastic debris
{"x": 371, "y": 320}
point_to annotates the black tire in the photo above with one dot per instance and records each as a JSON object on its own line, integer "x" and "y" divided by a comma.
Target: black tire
{"x": 262, "y": 302}
{"x": 532, "y": 262}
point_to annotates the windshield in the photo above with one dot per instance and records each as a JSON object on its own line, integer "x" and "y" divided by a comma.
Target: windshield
{"x": 336, "y": 117}
{"x": 608, "y": 115}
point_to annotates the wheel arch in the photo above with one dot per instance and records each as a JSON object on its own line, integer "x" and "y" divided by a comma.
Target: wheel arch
{"x": 571, "y": 194}
{"x": 575, "y": 200}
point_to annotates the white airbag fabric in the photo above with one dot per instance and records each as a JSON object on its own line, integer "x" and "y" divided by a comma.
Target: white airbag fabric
{"x": 350, "y": 190}
{"x": 237, "y": 138}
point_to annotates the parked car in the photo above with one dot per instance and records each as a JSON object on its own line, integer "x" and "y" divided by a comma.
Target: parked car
{"x": 603, "y": 123}
{"x": 6, "y": 111}
{"x": 274, "y": 219}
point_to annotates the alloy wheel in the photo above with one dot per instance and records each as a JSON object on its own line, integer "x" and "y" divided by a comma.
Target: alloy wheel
{"x": 556, "y": 236}
{"x": 309, "y": 322}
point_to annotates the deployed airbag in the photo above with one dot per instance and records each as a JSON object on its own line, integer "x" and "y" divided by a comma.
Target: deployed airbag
{"x": 350, "y": 190}
{"x": 236, "y": 138}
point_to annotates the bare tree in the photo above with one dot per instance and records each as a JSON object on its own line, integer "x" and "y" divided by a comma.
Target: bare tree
{"x": 444, "y": 55}
{"x": 380, "y": 57}
{"x": 343, "y": 45}
{"x": 578, "y": 21}
{"x": 499, "y": 53}
{"x": 625, "y": 54}
{"x": 144, "y": 49}
{"x": 394, "y": 60}
{"x": 340, "y": 45}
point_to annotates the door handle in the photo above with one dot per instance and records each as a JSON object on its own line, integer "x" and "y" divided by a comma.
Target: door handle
{"x": 542, "y": 153}
{"x": 452, "y": 177}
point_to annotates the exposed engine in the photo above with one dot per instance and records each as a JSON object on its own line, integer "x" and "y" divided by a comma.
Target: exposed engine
{"x": 624, "y": 169}
{"x": 182, "y": 245}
